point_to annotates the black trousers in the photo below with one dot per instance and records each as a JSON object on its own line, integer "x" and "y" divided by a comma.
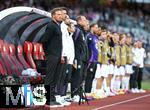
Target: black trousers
{"x": 68, "y": 72}
{"x": 51, "y": 76}
{"x": 60, "y": 88}
{"x": 90, "y": 76}
{"x": 77, "y": 78}
{"x": 136, "y": 78}
{"x": 133, "y": 77}
{"x": 139, "y": 78}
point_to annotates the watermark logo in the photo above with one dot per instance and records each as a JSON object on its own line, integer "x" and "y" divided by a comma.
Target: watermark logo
{"x": 26, "y": 95}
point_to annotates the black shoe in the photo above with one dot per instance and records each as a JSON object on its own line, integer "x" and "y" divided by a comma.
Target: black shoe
{"x": 54, "y": 104}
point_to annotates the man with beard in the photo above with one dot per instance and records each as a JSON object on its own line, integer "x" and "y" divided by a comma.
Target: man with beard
{"x": 52, "y": 42}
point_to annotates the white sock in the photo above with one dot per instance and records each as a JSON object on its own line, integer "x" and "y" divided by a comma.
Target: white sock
{"x": 118, "y": 83}
{"x": 107, "y": 90}
{"x": 127, "y": 83}
{"x": 104, "y": 84}
{"x": 123, "y": 83}
{"x": 115, "y": 84}
{"x": 99, "y": 92}
{"x": 112, "y": 83}
{"x": 94, "y": 83}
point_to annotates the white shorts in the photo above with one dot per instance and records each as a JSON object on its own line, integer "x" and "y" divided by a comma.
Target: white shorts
{"x": 98, "y": 71}
{"x": 122, "y": 70}
{"x": 116, "y": 71}
{"x": 104, "y": 70}
{"x": 111, "y": 69}
{"x": 128, "y": 69}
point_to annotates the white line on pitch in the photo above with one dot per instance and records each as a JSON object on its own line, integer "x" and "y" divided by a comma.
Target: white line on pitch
{"x": 114, "y": 104}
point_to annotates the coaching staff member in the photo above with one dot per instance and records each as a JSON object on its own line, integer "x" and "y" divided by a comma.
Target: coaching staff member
{"x": 52, "y": 42}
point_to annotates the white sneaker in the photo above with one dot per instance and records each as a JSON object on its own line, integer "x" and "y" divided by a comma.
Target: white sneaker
{"x": 76, "y": 98}
{"x": 114, "y": 92}
{"x": 136, "y": 90}
{"x": 62, "y": 101}
{"x": 100, "y": 94}
{"x": 142, "y": 91}
{"x": 109, "y": 93}
{"x": 133, "y": 90}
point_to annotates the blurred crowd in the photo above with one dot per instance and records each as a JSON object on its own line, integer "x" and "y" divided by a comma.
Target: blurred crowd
{"x": 132, "y": 21}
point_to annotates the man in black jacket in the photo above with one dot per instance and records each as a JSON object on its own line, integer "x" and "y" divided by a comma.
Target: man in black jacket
{"x": 81, "y": 56}
{"x": 52, "y": 41}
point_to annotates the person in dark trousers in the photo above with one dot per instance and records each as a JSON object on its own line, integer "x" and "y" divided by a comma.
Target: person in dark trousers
{"x": 67, "y": 58}
{"x": 93, "y": 56}
{"x": 52, "y": 42}
{"x": 62, "y": 67}
{"x": 136, "y": 64}
{"x": 142, "y": 54}
{"x": 81, "y": 57}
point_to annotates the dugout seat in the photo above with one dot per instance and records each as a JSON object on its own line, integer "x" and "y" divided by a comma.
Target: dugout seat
{"x": 21, "y": 58}
{"x": 28, "y": 49}
{"x": 10, "y": 66}
{"x": 39, "y": 57}
{"x": 41, "y": 52}
{"x": 14, "y": 59}
{"x": 20, "y": 54}
{"x": 38, "y": 52}
{"x": 3, "y": 70}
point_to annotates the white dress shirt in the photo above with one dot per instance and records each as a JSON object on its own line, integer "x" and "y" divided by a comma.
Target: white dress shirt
{"x": 68, "y": 44}
{"x": 142, "y": 55}
{"x": 138, "y": 56}
{"x": 135, "y": 52}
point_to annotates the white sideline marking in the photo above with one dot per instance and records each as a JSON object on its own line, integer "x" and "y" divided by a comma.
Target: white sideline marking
{"x": 114, "y": 104}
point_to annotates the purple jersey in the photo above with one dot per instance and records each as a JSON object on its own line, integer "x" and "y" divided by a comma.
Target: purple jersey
{"x": 93, "y": 48}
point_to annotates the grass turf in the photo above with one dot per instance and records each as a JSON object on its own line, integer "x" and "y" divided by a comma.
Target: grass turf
{"x": 146, "y": 84}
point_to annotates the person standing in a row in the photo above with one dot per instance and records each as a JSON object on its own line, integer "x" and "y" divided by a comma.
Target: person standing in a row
{"x": 81, "y": 57}
{"x": 52, "y": 41}
{"x": 67, "y": 57}
{"x": 93, "y": 56}
{"x": 142, "y": 53}
{"x": 136, "y": 77}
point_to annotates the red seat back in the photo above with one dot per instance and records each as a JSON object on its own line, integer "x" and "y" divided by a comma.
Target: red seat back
{"x": 41, "y": 52}
{"x": 19, "y": 66}
{"x": 6, "y": 58}
{"x": 3, "y": 70}
{"x": 21, "y": 57}
{"x": 36, "y": 51}
{"x": 28, "y": 48}
{"x": 39, "y": 58}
